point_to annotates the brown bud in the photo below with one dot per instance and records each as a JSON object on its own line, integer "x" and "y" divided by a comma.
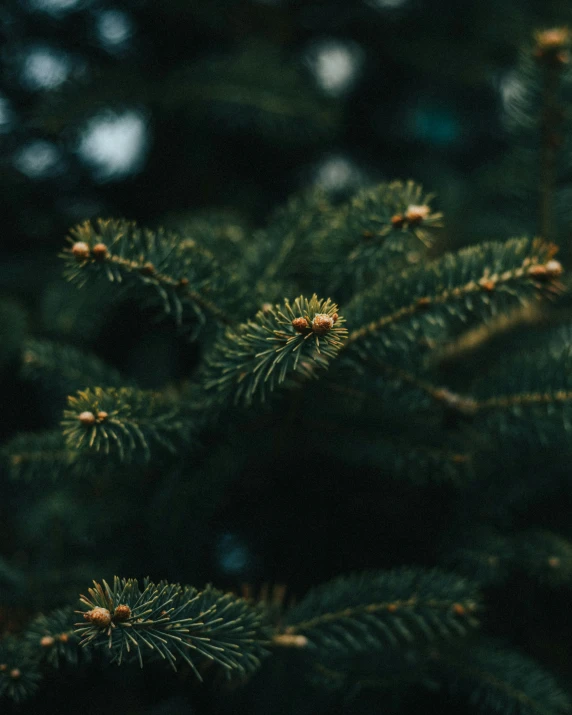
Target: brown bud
{"x": 459, "y": 609}
{"x": 301, "y": 325}
{"x": 289, "y": 640}
{"x": 554, "y": 562}
{"x": 64, "y": 637}
{"x": 335, "y": 317}
{"x": 101, "y": 415}
{"x": 552, "y": 46}
{"x": 392, "y": 607}
{"x": 537, "y": 271}
{"x": 47, "y": 641}
{"x": 15, "y": 673}
{"x": 416, "y": 214}
{"x": 424, "y": 302}
{"x": 183, "y": 282}
{"x": 100, "y": 617}
{"x": 87, "y": 418}
{"x": 147, "y": 269}
{"x": 80, "y": 251}
{"x": 553, "y": 39}
{"x": 100, "y": 251}
{"x": 122, "y": 613}
{"x": 397, "y": 221}
{"x": 3, "y": 667}
{"x": 322, "y": 324}
{"x": 553, "y": 268}
{"x": 487, "y": 284}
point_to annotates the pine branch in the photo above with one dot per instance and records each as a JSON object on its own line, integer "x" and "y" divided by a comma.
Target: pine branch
{"x": 65, "y": 367}
{"x": 475, "y": 283}
{"x": 502, "y": 681}
{"x": 287, "y": 251}
{"x": 491, "y": 558}
{"x": 33, "y": 456}
{"x": 126, "y": 422}
{"x": 260, "y": 354}
{"x": 175, "y": 623}
{"x": 20, "y": 675}
{"x": 471, "y": 345}
{"x": 340, "y": 247}
{"x": 552, "y": 53}
{"x": 178, "y": 273}
{"x": 54, "y": 638}
{"x": 379, "y": 610}
{"x": 258, "y": 90}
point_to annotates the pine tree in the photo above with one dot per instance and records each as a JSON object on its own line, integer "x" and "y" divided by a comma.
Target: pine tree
{"x": 349, "y": 388}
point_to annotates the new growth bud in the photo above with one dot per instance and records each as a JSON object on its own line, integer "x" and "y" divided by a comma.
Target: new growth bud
{"x": 100, "y": 617}
{"x": 301, "y": 325}
{"x": 322, "y": 324}
{"x": 87, "y": 418}
{"x": 122, "y": 613}
{"x": 416, "y": 214}
{"x": 80, "y": 251}
{"x": 552, "y": 46}
{"x": 100, "y": 251}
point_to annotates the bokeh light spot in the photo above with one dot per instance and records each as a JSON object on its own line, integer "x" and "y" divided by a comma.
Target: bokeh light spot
{"x": 6, "y": 115}
{"x": 114, "y": 29}
{"x": 39, "y": 159}
{"x": 44, "y": 67}
{"x": 114, "y": 145}
{"x": 337, "y": 173}
{"x": 388, "y": 4}
{"x": 53, "y": 7}
{"x": 232, "y": 554}
{"x": 335, "y": 65}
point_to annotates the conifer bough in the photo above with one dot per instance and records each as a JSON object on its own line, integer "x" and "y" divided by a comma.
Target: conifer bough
{"x": 282, "y": 339}
{"x": 180, "y": 273}
{"x": 173, "y": 622}
{"x": 126, "y": 422}
{"x": 379, "y": 610}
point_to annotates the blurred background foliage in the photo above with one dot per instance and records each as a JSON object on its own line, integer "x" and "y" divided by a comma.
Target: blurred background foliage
{"x": 149, "y": 110}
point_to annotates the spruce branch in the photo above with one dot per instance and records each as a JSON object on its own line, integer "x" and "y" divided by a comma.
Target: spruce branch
{"x": 476, "y": 282}
{"x": 126, "y": 422}
{"x": 473, "y": 343}
{"x": 259, "y": 89}
{"x": 260, "y": 354}
{"x": 20, "y": 674}
{"x": 33, "y": 456}
{"x": 173, "y": 622}
{"x": 398, "y": 208}
{"x": 65, "y": 367}
{"x": 379, "y": 610}
{"x": 552, "y": 53}
{"x": 335, "y": 248}
{"x": 500, "y": 681}
{"x": 381, "y": 229}
{"x": 179, "y": 273}
{"x": 53, "y": 637}
{"x": 491, "y": 557}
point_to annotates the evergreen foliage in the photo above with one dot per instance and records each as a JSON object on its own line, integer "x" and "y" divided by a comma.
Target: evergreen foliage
{"x": 174, "y": 623}
{"x": 337, "y": 397}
